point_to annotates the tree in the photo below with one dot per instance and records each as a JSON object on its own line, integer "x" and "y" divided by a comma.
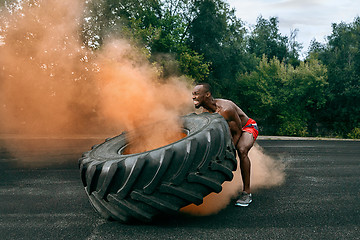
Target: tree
{"x": 266, "y": 39}
{"x": 284, "y": 99}
{"x": 207, "y": 30}
{"x": 262, "y": 93}
{"x": 193, "y": 65}
{"x": 316, "y": 50}
{"x": 216, "y": 33}
{"x": 293, "y": 49}
{"x": 342, "y": 58}
{"x": 137, "y": 20}
{"x": 307, "y": 88}
{"x": 158, "y": 27}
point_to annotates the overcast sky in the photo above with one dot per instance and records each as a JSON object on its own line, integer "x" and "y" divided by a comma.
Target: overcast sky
{"x": 313, "y": 18}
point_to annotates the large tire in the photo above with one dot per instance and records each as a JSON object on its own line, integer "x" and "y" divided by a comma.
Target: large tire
{"x": 161, "y": 181}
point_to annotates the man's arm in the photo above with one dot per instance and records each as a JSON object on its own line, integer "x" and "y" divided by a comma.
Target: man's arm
{"x": 234, "y": 122}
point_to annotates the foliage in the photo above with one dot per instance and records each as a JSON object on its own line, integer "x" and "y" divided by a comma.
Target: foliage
{"x": 192, "y": 65}
{"x": 283, "y": 98}
{"x": 132, "y": 19}
{"x": 341, "y": 55}
{"x": 259, "y": 69}
{"x": 219, "y": 36}
{"x": 355, "y": 133}
{"x": 266, "y": 39}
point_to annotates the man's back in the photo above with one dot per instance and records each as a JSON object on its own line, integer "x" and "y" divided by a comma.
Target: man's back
{"x": 227, "y": 105}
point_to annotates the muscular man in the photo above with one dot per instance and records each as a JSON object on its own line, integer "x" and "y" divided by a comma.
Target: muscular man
{"x": 243, "y": 129}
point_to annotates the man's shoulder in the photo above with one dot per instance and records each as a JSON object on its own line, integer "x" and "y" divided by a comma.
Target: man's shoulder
{"x": 226, "y": 104}
{"x": 222, "y": 101}
{"x": 225, "y": 108}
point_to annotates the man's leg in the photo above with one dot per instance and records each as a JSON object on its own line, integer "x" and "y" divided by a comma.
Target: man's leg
{"x": 243, "y": 146}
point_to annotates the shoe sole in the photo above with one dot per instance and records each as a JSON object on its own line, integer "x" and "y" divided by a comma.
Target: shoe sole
{"x": 243, "y": 204}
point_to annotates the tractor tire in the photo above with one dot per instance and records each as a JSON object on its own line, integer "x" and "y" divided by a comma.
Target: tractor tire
{"x": 138, "y": 187}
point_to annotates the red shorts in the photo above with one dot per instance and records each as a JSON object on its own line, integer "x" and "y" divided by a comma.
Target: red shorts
{"x": 251, "y": 127}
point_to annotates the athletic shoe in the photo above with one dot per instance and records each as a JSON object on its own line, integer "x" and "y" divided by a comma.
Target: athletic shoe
{"x": 244, "y": 200}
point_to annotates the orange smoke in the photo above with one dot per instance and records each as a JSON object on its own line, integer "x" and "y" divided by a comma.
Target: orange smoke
{"x": 266, "y": 172}
{"x": 50, "y": 84}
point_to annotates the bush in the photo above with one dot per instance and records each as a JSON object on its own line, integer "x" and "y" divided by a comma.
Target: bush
{"x": 354, "y": 134}
{"x": 292, "y": 126}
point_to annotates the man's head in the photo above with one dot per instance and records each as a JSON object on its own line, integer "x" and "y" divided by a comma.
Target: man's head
{"x": 201, "y": 94}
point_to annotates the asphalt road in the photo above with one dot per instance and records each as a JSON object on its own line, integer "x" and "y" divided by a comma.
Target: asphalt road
{"x": 41, "y": 197}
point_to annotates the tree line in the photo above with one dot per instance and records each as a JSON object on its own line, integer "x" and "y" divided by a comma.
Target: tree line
{"x": 259, "y": 69}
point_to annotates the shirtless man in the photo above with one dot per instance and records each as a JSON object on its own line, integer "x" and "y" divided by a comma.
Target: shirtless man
{"x": 243, "y": 129}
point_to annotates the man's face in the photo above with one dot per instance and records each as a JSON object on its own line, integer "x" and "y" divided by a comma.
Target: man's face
{"x": 199, "y": 95}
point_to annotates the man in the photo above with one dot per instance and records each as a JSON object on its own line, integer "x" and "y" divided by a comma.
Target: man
{"x": 244, "y": 131}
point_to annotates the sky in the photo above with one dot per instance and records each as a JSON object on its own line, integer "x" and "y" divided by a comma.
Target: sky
{"x": 312, "y": 18}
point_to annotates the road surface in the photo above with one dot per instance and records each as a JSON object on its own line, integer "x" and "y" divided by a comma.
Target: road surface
{"x": 41, "y": 196}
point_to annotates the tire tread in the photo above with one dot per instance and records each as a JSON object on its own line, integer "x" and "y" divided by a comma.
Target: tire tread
{"x": 140, "y": 186}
